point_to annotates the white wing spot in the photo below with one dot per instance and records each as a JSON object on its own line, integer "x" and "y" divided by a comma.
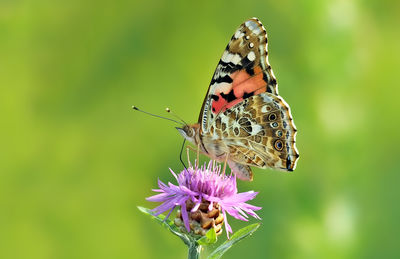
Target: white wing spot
{"x": 251, "y": 25}
{"x": 266, "y": 98}
{"x": 225, "y": 56}
{"x": 238, "y": 34}
{"x": 224, "y": 119}
{"x": 251, "y": 56}
{"x": 264, "y": 109}
{"x": 247, "y": 37}
{"x": 229, "y": 57}
{"x": 251, "y": 44}
{"x": 236, "y": 59}
{"x": 256, "y": 129}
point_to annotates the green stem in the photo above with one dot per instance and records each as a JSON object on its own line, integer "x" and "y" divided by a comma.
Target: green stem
{"x": 194, "y": 251}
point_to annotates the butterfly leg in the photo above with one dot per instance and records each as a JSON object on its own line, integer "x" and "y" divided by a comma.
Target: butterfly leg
{"x": 226, "y": 160}
{"x": 195, "y": 150}
{"x": 187, "y": 156}
{"x": 192, "y": 148}
{"x": 198, "y": 153}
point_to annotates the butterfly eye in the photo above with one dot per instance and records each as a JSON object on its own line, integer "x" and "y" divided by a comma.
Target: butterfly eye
{"x": 189, "y": 131}
{"x": 272, "y": 117}
{"x": 278, "y": 145}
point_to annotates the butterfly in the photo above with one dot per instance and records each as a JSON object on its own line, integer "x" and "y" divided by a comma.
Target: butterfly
{"x": 243, "y": 120}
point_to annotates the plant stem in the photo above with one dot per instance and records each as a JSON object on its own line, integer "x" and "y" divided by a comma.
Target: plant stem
{"x": 194, "y": 251}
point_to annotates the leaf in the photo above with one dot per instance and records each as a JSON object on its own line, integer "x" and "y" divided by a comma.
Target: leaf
{"x": 236, "y": 237}
{"x": 160, "y": 218}
{"x": 168, "y": 224}
{"x": 209, "y": 239}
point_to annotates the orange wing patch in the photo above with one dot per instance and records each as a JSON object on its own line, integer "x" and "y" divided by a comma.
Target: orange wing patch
{"x": 245, "y": 83}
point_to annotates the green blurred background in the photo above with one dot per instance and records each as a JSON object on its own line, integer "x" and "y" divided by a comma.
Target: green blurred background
{"x": 75, "y": 160}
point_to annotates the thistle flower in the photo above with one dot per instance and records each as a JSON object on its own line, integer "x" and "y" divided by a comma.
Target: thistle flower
{"x": 204, "y": 195}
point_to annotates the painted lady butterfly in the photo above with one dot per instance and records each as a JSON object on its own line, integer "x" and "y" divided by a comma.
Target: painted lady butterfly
{"x": 243, "y": 119}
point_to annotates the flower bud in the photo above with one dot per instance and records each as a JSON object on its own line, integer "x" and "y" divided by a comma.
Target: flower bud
{"x": 201, "y": 220}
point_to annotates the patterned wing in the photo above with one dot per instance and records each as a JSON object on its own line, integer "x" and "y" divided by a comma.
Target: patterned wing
{"x": 259, "y": 132}
{"x": 242, "y": 72}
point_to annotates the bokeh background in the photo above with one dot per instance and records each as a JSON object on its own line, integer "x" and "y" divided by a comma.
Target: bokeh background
{"x": 75, "y": 160}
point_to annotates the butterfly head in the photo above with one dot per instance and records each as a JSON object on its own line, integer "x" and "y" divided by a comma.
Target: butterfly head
{"x": 189, "y": 132}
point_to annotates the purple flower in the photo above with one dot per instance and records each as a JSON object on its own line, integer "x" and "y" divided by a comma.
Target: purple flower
{"x": 209, "y": 184}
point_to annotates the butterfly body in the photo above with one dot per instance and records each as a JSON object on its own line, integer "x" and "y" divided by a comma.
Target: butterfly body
{"x": 243, "y": 120}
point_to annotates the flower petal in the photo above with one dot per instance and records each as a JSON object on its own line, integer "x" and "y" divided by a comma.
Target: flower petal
{"x": 185, "y": 216}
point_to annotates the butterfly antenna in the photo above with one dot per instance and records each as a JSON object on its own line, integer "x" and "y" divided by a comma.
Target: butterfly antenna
{"x": 176, "y": 116}
{"x": 188, "y": 157}
{"x": 151, "y": 114}
{"x": 180, "y": 154}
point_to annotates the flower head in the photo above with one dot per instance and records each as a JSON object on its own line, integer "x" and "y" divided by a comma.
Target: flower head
{"x": 204, "y": 185}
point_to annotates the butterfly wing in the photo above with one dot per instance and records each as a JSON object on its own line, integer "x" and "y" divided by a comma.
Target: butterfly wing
{"x": 259, "y": 132}
{"x": 243, "y": 71}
